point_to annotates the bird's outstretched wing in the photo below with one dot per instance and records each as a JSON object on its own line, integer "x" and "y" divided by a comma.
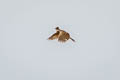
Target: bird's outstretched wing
{"x": 64, "y": 37}
{"x": 54, "y": 36}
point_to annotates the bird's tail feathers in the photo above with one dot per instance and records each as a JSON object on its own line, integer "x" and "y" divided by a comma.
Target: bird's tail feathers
{"x": 72, "y": 39}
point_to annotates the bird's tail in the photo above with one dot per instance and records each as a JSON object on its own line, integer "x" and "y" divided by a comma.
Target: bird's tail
{"x": 72, "y": 39}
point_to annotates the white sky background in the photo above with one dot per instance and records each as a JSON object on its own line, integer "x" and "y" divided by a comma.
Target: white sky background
{"x": 26, "y": 54}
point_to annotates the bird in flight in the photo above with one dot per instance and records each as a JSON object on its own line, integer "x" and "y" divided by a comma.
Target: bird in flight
{"x": 61, "y": 35}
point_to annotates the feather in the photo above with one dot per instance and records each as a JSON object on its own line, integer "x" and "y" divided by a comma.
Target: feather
{"x": 63, "y": 37}
{"x": 54, "y": 36}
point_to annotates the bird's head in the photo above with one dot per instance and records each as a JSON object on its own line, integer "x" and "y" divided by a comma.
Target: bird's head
{"x": 57, "y": 28}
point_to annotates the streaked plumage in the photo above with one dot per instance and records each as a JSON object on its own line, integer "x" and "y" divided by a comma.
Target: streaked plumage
{"x": 61, "y": 35}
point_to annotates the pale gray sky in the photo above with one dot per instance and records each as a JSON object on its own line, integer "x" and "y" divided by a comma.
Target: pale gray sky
{"x": 26, "y": 54}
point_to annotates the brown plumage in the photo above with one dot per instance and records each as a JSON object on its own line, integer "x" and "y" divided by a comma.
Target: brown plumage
{"x": 61, "y": 35}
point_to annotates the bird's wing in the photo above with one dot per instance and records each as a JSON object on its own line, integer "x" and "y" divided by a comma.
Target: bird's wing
{"x": 54, "y": 36}
{"x": 64, "y": 37}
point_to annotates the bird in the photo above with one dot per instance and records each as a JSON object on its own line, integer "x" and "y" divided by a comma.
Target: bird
{"x": 61, "y": 35}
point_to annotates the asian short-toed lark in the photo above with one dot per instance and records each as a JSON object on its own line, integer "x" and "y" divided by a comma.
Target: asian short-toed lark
{"x": 61, "y": 35}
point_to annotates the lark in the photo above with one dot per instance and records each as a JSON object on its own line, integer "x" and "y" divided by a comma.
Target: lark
{"x": 61, "y": 35}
